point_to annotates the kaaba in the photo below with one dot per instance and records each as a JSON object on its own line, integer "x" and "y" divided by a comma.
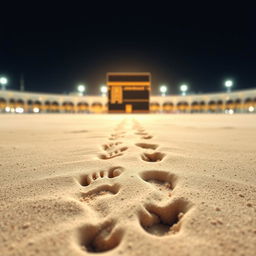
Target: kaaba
{"x": 128, "y": 92}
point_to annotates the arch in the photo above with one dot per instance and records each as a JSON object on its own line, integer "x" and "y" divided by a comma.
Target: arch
{"x": 195, "y": 107}
{"x": 182, "y": 106}
{"x": 47, "y": 106}
{"x": 37, "y": 106}
{"x": 30, "y": 102}
{"x": 19, "y": 105}
{"x": 154, "y": 107}
{"x": 29, "y": 106}
{"x": 168, "y": 106}
{"x": 212, "y": 106}
{"x": 82, "y": 107}
{"x": 37, "y": 103}
{"x": 220, "y": 106}
{"x": 12, "y": 103}
{"x": 229, "y": 105}
{"x": 237, "y": 105}
{"x": 96, "y": 107}
{"x": 248, "y": 103}
{"x": 3, "y": 104}
{"x": 55, "y": 106}
{"x": 202, "y": 106}
{"x": 68, "y": 107}
{"x": 20, "y": 102}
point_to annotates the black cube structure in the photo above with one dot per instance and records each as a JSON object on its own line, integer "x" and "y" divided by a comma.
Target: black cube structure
{"x": 128, "y": 92}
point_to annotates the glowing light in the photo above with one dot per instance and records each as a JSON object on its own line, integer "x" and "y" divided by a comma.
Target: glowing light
{"x": 183, "y": 87}
{"x": 36, "y": 110}
{"x": 231, "y": 111}
{"x": 19, "y": 110}
{"x": 7, "y": 109}
{"x": 228, "y": 83}
{"x": 103, "y": 90}
{"x": 251, "y": 109}
{"x": 81, "y": 88}
{"x": 163, "y": 89}
{"x": 3, "y": 80}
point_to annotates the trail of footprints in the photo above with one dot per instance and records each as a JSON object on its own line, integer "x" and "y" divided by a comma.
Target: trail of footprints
{"x": 155, "y": 220}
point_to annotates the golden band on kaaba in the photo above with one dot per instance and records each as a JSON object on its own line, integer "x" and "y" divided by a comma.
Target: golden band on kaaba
{"x": 128, "y": 92}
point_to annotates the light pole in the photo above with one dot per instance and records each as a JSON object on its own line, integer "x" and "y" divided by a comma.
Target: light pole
{"x": 81, "y": 89}
{"x": 228, "y": 84}
{"x": 163, "y": 89}
{"x": 3, "y": 82}
{"x": 183, "y": 89}
{"x": 104, "y": 90}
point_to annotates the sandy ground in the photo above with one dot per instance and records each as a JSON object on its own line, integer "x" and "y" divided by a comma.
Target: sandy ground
{"x": 127, "y": 185}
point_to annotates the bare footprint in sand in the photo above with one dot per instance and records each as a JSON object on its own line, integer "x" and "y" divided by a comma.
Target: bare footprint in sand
{"x": 101, "y": 238}
{"x": 152, "y": 157}
{"x": 147, "y": 146}
{"x": 110, "y": 146}
{"x": 117, "y": 135}
{"x": 163, "y": 181}
{"x": 102, "y": 190}
{"x": 162, "y": 221}
{"x": 88, "y": 179}
{"x": 113, "y": 154}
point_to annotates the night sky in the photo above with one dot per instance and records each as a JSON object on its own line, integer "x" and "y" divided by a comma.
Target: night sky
{"x": 58, "y": 47}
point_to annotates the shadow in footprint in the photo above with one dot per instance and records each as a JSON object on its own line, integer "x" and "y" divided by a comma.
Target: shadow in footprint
{"x": 113, "y": 172}
{"x": 113, "y": 154}
{"x": 147, "y": 146}
{"x": 164, "y": 181}
{"x": 101, "y": 238}
{"x": 141, "y": 133}
{"x": 153, "y": 157}
{"x": 161, "y": 221}
{"x": 147, "y": 137}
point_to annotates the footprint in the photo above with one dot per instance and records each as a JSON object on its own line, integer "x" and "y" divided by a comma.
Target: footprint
{"x": 164, "y": 181}
{"x": 115, "y": 153}
{"x": 162, "y": 221}
{"x": 101, "y": 238}
{"x": 113, "y": 172}
{"x": 153, "y": 157}
{"x": 110, "y": 146}
{"x": 141, "y": 133}
{"x": 147, "y": 137}
{"x": 117, "y": 135}
{"x": 147, "y": 146}
{"x": 102, "y": 190}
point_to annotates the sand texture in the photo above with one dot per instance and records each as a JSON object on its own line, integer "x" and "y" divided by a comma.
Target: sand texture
{"x": 128, "y": 185}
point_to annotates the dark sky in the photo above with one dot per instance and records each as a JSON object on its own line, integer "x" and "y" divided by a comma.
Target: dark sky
{"x": 58, "y": 47}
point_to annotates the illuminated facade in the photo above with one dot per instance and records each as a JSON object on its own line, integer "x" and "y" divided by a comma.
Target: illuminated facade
{"x": 25, "y": 102}
{"x": 128, "y": 92}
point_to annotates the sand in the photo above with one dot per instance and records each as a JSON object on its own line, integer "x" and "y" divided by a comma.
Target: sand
{"x": 127, "y": 185}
